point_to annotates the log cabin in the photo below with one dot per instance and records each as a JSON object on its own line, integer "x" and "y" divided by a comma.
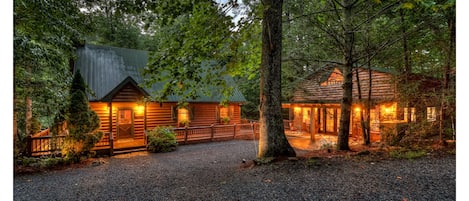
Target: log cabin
{"x": 314, "y": 107}
{"x": 113, "y": 76}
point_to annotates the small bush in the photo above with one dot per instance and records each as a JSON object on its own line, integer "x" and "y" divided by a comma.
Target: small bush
{"x": 161, "y": 139}
{"x": 46, "y": 162}
{"x": 326, "y": 145}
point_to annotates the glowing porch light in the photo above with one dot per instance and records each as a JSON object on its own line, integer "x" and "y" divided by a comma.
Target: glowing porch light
{"x": 139, "y": 109}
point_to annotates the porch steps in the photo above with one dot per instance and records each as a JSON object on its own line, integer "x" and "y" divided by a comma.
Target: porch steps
{"x": 129, "y": 150}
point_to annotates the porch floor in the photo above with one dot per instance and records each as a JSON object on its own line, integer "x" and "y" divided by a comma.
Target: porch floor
{"x": 128, "y": 143}
{"x": 302, "y": 140}
{"x": 297, "y": 139}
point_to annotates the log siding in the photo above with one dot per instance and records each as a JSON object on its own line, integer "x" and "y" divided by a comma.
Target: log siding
{"x": 313, "y": 90}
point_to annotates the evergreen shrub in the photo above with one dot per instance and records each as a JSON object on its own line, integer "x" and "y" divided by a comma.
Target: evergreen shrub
{"x": 162, "y": 139}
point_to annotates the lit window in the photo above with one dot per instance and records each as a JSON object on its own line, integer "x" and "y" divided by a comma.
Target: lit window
{"x": 388, "y": 112}
{"x": 183, "y": 115}
{"x": 412, "y": 114}
{"x": 224, "y": 112}
{"x": 431, "y": 113}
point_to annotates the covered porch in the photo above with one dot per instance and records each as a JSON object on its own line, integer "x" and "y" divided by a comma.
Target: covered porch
{"x": 305, "y": 141}
{"x": 320, "y": 122}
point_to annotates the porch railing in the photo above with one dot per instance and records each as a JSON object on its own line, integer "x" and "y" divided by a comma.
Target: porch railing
{"x": 48, "y": 144}
{"x": 217, "y": 132}
{"x": 44, "y": 145}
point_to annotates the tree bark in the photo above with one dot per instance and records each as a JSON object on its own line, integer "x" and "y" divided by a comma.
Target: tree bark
{"x": 407, "y": 65}
{"x": 451, "y": 20}
{"x": 272, "y": 139}
{"x": 28, "y": 104}
{"x": 346, "y": 103}
{"x": 366, "y": 123}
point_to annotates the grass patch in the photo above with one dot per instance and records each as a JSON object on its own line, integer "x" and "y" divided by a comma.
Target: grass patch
{"x": 407, "y": 154}
{"x": 313, "y": 162}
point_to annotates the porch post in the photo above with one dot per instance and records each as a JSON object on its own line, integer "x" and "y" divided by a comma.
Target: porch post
{"x": 145, "y": 116}
{"x": 111, "y": 140}
{"x": 311, "y": 124}
{"x": 145, "y": 122}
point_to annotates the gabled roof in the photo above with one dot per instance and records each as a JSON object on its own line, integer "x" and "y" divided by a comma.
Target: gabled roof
{"x": 323, "y": 85}
{"x": 326, "y": 71}
{"x": 107, "y": 69}
{"x": 128, "y": 80}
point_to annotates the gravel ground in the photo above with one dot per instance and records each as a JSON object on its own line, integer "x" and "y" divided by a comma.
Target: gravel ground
{"x": 214, "y": 171}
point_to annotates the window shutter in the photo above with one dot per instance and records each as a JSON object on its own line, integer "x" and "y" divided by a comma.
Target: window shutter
{"x": 230, "y": 111}
{"x": 191, "y": 112}
{"x": 217, "y": 111}
{"x": 174, "y": 113}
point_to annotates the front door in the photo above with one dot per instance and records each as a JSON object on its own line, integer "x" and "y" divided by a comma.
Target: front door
{"x": 125, "y": 127}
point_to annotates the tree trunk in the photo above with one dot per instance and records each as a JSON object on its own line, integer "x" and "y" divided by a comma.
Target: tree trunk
{"x": 366, "y": 123}
{"x": 368, "y": 103}
{"x": 28, "y": 115}
{"x": 272, "y": 140}
{"x": 451, "y": 20}
{"x": 346, "y": 103}
{"x": 364, "y": 111}
{"x": 28, "y": 104}
{"x": 407, "y": 66}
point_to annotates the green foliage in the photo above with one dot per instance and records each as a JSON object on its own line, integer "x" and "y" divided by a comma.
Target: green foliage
{"x": 45, "y": 34}
{"x": 78, "y": 84}
{"x": 42, "y": 163}
{"x": 114, "y": 23}
{"x": 313, "y": 162}
{"x": 264, "y": 160}
{"x": 185, "y": 122}
{"x": 407, "y": 154}
{"x": 161, "y": 139}
{"x": 82, "y": 123}
{"x": 193, "y": 48}
{"x": 225, "y": 120}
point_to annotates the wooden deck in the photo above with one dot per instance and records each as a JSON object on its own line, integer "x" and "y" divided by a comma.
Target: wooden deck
{"x": 46, "y": 145}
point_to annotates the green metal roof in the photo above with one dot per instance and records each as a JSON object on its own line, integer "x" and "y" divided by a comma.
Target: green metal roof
{"x": 105, "y": 68}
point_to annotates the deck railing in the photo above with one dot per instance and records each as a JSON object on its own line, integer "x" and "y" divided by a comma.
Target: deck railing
{"x": 41, "y": 145}
{"x": 48, "y": 144}
{"x": 217, "y": 132}
{"x": 44, "y": 145}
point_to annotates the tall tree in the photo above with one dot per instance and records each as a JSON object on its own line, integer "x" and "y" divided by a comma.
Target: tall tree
{"x": 193, "y": 49}
{"x": 272, "y": 140}
{"x": 348, "y": 51}
{"x": 114, "y": 23}
{"x": 82, "y": 122}
{"x": 45, "y": 33}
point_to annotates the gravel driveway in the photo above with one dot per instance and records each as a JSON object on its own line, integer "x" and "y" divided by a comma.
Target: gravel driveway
{"x": 213, "y": 171}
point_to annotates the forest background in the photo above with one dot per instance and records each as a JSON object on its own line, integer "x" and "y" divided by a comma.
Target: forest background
{"x": 6, "y": 73}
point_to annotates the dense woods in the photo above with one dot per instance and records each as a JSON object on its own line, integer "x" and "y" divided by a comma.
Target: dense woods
{"x": 197, "y": 43}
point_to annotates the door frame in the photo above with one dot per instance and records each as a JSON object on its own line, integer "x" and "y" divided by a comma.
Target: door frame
{"x": 132, "y": 131}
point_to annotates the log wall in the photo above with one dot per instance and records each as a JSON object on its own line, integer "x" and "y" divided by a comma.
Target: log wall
{"x": 313, "y": 90}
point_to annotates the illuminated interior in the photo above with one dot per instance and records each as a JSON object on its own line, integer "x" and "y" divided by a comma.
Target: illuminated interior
{"x": 306, "y": 115}
{"x": 224, "y": 112}
{"x": 330, "y": 119}
{"x": 431, "y": 114}
{"x": 125, "y": 117}
{"x": 388, "y": 112}
{"x": 183, "y": 115}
